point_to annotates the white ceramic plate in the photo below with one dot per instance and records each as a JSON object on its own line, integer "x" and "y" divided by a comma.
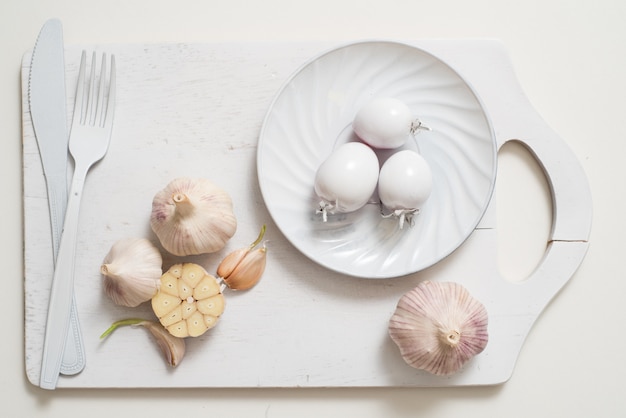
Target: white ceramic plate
{"x": 312, "y": 113}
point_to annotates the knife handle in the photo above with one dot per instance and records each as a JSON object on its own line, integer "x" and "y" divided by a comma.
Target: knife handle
{"x": 61, "y": 293}
{"x": 73, "y": 361}
{"x": 74, "y": 353}
{"x": 57, "y": 201}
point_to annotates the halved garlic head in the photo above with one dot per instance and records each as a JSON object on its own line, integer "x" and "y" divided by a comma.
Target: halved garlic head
{"x": 438, "y": 327}
{"x": 189, "y": 301}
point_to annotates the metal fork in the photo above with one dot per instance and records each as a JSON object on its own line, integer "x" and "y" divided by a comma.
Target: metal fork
{"x": 89, "y": 140}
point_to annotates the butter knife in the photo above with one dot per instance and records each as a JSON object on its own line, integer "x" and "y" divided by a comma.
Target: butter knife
{"x": 46, "y": 96}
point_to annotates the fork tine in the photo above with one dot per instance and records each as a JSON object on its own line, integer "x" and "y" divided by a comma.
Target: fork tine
{"x": 100, "y": 113}
{"x": 90, "y": 107}
{"x": 80, "y": 91}
{"x": 108, "y": 121}
{"x": 91, "y": 101}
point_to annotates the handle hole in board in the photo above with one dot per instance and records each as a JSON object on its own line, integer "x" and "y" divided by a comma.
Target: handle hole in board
{"x": 524, "y": 211}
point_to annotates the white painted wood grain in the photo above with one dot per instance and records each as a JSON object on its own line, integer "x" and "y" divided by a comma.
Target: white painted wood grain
{"x": 196, "y": 110}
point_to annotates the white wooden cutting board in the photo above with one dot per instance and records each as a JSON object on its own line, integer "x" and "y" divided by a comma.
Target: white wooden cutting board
{"x": 196, "y": 110}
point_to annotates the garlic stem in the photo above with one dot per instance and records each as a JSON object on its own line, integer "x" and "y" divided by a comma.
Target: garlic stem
{"x": 184, "y": 206}
{"x": 121, "y": 323}
{"x": 403, "y": 215}
{"x": 401, "y": 220}
{"x": 417, "y": 125}
{"x": 259, "y": 238}
{"x": 104, "y": 269}
{"x": 324, "y": 209}
{"x": 451, "y": 338}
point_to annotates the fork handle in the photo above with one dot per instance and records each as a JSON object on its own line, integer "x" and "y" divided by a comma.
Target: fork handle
{"x": 61, "y": 293}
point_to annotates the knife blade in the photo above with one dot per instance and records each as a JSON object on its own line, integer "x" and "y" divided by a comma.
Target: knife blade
{"x": 47, "y": 101}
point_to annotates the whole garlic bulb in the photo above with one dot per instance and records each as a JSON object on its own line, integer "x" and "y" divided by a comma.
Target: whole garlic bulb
{"x": 438, "y": 327}
{"x": 131, "y": 270}
{"x": 192, "y": 216}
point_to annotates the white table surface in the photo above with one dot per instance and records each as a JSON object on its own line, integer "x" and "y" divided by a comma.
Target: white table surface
{"x": 570, "y": 61}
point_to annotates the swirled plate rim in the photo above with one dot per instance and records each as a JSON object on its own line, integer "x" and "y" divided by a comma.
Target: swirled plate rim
{"x": 340, "y": 264}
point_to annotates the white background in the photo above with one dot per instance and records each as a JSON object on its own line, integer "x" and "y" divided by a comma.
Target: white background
{"x": 570, "y": 59}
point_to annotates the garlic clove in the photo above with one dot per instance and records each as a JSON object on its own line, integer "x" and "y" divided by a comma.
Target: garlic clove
{"x": 163, "y": 303}
{"x": 131, "y": 271}
{"x": 179, "y": 329}
{"x": 192, "y": 274}
{"x": 169, "y": 284}
{"x": 189, "y": 301}
{"x": 439, "y": 327}
{"x": 184, "y": 290}
{"x": 249, "y": 271}
{"x": 188, "y": 308}
{"x": 229, "y": 262}
{"x": 172, "y": 317}
{"x": 243, "y": 268}
{"x": 212, "y": 306}
{"x": 206, "y": 288}
{"x": 171, "y": 347}
{"x": 196, "y": 325}
{"x": 192, "y": 216}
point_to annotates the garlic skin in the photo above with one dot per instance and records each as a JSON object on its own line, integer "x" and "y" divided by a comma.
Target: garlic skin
{"x": 131, "y": 271}
{"x": 173, "y": 348}
{"x": 192, "y": 216}
{"x": 242, "y": 269}
{"x": 438, "y": 327}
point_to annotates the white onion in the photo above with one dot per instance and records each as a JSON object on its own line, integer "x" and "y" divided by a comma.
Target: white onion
{"x": 346, "y": 180}
{"x": 404, "y": 184}
{"x": 385, "y": 123}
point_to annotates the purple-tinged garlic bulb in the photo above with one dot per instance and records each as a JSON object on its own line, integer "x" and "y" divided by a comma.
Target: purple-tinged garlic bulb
{"x": 131, "y": 271}
{"x": 438, "y": 327}
{"x": 192, "y": 216}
